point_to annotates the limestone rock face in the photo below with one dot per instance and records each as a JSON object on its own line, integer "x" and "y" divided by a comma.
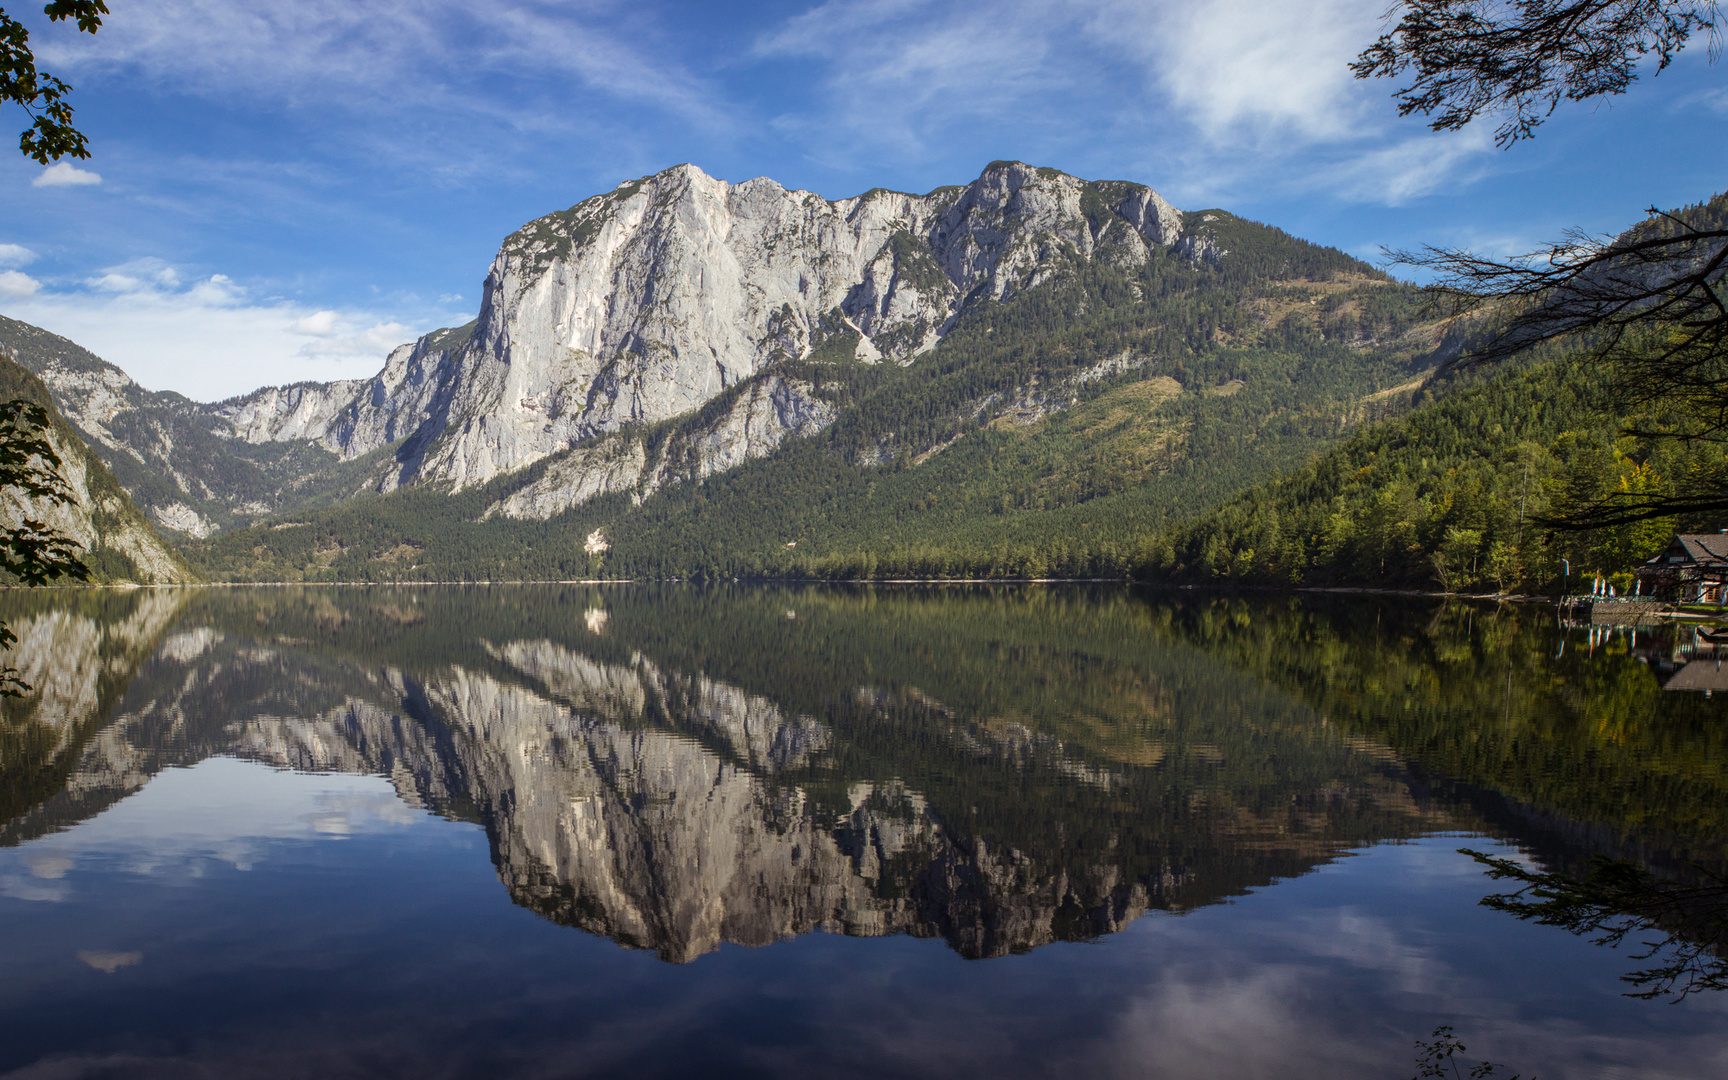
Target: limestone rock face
{"x": 353, "y": 417}
{"x": 648, "y": 302}
{"x": 631, "y": 308}
{"x": 93, "y": 517}
{"x": 765, "y": 413}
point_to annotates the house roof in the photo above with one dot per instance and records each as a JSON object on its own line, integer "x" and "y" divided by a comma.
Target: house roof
{"x": 1707, "y": 674}
{"x": 1705, "y": 547}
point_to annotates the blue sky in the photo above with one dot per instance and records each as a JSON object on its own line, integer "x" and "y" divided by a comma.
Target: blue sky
{"x": 284, "y": 191}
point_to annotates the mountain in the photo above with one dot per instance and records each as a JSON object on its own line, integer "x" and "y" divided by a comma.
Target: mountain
{"x": 1020, "y": 357}
{"x": 674, "y": 808}
{"x": 118, "y": 544}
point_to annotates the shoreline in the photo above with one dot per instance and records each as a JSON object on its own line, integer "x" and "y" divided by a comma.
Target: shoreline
{"x": 1360, "y": 590}
{"x": 1672, "y": 616}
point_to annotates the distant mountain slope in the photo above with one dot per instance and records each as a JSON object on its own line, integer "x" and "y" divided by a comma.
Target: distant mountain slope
{"x": 685, "y": 375}
{"x": 1454, "y": 494}
{"x": 180, "y": 460}
{"x": 118, "y": 544}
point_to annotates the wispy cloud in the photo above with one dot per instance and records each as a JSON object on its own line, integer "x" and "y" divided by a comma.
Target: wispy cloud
{"x": 138, "y": 275}
{"x": 897, "y": 73}
{"x": 1247, "y": 70}
{"x": 1220, "y": 96}
{"x": 338, "y": 336}
{"x": 363, "y": 57}
{"x": 16, "y": 255}
{"x": 1409, "y": 168}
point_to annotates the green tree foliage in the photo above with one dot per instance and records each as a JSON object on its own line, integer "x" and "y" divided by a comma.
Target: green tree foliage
{"x": 31, "y": 551}
{"x": 1497, "y": 705}
{"x": 1646, "y": 307}
{"x": 39, "y": 452}
{"x": 50, "y": 135}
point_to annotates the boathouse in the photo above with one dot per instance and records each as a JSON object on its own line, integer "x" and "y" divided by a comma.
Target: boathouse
{"x": 1693, "y": 569}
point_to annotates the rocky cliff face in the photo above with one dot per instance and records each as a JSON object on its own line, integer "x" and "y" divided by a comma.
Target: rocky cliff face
{"x": 115, "y": 541}
{"x": 628, "y": 309}
{"x": 644, "y": 304}
{"x": 98, "y": 518}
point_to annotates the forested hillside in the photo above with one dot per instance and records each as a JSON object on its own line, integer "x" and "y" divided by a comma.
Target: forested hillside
{"x": 1047, "y": 434}
{"x": 1453, "y": 496}
{"x": 1459, "y": 495}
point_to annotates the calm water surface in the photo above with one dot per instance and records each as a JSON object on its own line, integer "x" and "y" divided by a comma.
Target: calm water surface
{"x": 1001, "y": 832}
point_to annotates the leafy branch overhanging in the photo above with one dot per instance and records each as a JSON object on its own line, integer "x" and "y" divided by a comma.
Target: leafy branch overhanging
{"x": 31, "y": 550}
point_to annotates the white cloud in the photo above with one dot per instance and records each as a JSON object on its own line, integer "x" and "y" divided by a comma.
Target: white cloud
{"x": 211, "y": 338}
{"x": 340, "y": 337}
{"x": 1249, "y": 68}
{"x": 138, "y": 275}
{"x": 222, "y": 810}
{"x": 14, "y": 283}
{"x": 1408, "y": 169}
{"x": 1222, "y": 97}
{"x": 408, "y": 52}
{"x": 65, "y": 174}
{"x": 215, "y": 291}
{"x": 1233, "y": 1023}
{"x": 317, "y": 324}
{"x": 16, "y": 255}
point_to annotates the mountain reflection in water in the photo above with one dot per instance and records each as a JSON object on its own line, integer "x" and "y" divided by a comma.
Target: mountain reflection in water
{"x": 678, "y": 768}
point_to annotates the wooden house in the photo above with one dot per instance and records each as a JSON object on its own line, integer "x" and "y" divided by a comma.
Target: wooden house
{"x": 1693, "y": 569}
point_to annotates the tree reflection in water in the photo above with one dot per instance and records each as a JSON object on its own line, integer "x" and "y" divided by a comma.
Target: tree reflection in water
{"x": 1437, "y": 1059}
{"x": 1616, "y": 899}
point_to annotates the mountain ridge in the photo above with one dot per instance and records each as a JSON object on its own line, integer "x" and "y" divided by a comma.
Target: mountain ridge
{"x": 681, "y": 329}
{"x": 559, "y": 347}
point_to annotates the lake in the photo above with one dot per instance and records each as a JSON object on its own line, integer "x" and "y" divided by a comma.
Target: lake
{"x": 944, "y": 831}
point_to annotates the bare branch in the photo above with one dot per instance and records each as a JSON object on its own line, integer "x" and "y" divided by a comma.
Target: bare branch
{"x": 1649, "y": 309}
{"x": 1521, "y": 58}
